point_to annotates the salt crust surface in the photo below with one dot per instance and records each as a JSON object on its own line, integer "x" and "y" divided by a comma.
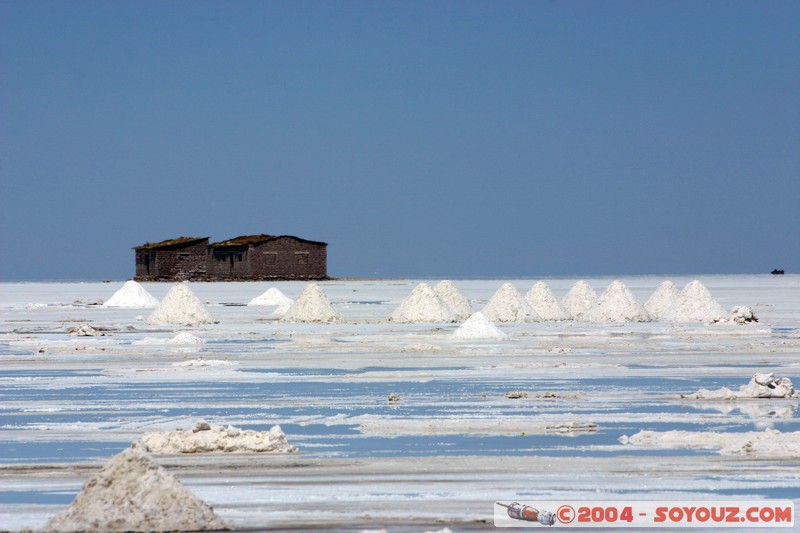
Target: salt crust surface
{"x": 182, "y": 338}
{"x": 312, "y": 306}
{"x": 272, "y": 296}
{"x": 423, "y": 305}
{"x": 617, "y": 304}
{"x": 180, "y": 306}
{"x": 761, "y": 385}
{"x": 579, "y": 299}
{"x": 769, "y": 442}
{"x": 662, "y": 299}
{"x": 133, "y": 493}
{"x": 205, "y": 438}
{"x": 203, "y": 363}
{"x": 508, "y": 305}
{"x": 459, "y": 306}
{"x": 132, "y": 295}
{"x": 694, "y": 304}
{"x": 542, "y": 300}
{"x": 478, "y": 326}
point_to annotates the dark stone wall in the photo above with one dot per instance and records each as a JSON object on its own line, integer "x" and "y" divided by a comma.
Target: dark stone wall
{"x": 174, "y": 263}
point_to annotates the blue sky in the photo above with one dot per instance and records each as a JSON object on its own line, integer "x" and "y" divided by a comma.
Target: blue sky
{"x": 418, "y": 138}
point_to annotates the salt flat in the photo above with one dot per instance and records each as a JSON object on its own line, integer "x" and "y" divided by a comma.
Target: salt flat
{"x": 454, "y": 442}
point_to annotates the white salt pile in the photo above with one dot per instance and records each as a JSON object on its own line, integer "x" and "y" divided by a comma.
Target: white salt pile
{"x": 312, "y": 306}
{"x": 617, "y": 304}
{"x": 508, "y": 305}
{"x": 180, "y": 306}
{"x": 541, "y": 298}
{"x": 205, "y": 438}
{"x": 422, "y": 306}
{"x": 458, "y": 305}
{"x": 740, "y": 315}
{"x": 662, "y": 299}
{"x": 760, "y": 386}
{"x": 272, "y": 297}
{"x": 185, "y": 337}
{"x": 770, "y": 442}
{"x": 478, "y": 326}
{"x": 132, "y": 295}
{"x": 694, "y": 304}
{"x": 579, "y": 299}
{"x": 133, "y": 493}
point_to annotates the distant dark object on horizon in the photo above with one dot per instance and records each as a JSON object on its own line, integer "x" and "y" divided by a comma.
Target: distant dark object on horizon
{"x": 777, "y": 272}
{"x": 249, "y": 257}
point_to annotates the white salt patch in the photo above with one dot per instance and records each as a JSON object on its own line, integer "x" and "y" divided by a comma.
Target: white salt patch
{"x": 508, "y": 305}
{"x": 694, "y": 304}
{"x": 186, "y": 338}
{"x": 458, "y": 305}
{"x": 762, "y": 385}
{"x": 132, "y": 295}
{"x": 133, "y": 493}
{"x": 541, "y": 298}
{"x": 617, "y": 304}
{"x": 579, "y": 299}
{"x": 478, "y": 327}
{"x": 740, "y": 316}
{"x": 272, "y": 296}
{"x": 422, "y": 306}
{"x": 770, "y": 442}
{"x": 203, "y": 363}
{"x": 205, "y": 438}
{"x": 180, "y": 306}
{"x": 312, "y": 306}
{"x": 662, "y": 299}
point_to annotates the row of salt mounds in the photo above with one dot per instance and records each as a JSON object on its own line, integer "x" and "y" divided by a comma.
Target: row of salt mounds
{"x": 579, "y": 299}
{"x": 694, "y": 304}
{"x": 423, "y": 305}
{"x": 478, "y": 327}
{"x": 205, "y": 438}
{"x": 542, "y": 300}
{"x": 132, "y": 295}
{"x": 133, "y": 493}
{"x": 617, "y": 304}
{"x": 760, "y": 386}
{"x": 458, "y": 305}
{"x": 508, "y": 305}
{"x": 312, "y": 306}
{"x": 662, "y": 299}
{"x": 180, "y": 306}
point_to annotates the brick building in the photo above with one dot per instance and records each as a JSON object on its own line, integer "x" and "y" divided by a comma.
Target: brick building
{"x": 248, "y": 257}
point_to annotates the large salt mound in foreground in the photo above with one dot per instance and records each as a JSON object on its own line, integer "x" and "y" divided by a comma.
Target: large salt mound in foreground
{"x": 272, "y": 296}
{"x": 694, "y": 304}
{"x": 478, "y": 327}
{"x": 579, "y": 299}
{"x": 422, "y": 306}
{"x": 459, "y": 306}
{"x": 133, "y": 493}
{"x": 662, "y": 299}
{"x": 312, "y": 306}
{"x": 180, "y": 306}
{"x": 205, "y": 438}
{"x": 131, "y": 295}
{"x": 508, "y": 305}
{"x": 617, "y": 304}
{"x": 541, "y": 298}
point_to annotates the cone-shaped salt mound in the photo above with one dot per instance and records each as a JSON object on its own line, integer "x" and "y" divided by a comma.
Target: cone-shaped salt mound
{"x": 662, "y": 299}
{"x": 694, "y": 304}
{"x": 459, "y": 306}
{"x": 478, "y": 327}
{"x": 180, "y": 306}
{"x": 312, "y": 306}
{"x": 617, "y": 304}
{"x": 579, "y": 299}
{"x": 133, "y": 493}
{"x": 131, "y": 295}
{"x": 422, "y": 306}
{"x": 541, "y": 298}
{"x": 508, "y": 305}
{"x": 272, "y": 296}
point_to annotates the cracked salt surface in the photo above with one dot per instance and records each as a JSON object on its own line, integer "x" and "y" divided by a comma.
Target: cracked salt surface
{"x": 327, "y": 384}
